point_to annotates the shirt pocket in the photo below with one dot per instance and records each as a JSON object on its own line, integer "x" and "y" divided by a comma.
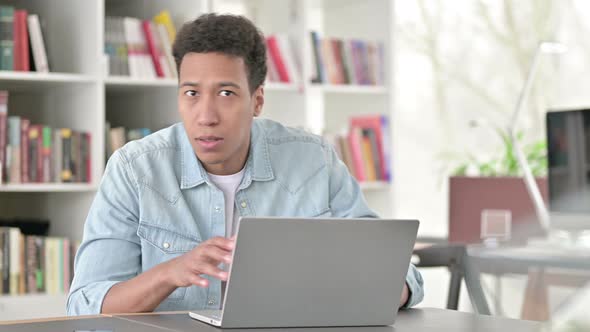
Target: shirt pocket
{"x": 159, "y": 245}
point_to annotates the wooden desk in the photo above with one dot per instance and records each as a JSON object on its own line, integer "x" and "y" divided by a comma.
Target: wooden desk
{"x": 414, "y": 320}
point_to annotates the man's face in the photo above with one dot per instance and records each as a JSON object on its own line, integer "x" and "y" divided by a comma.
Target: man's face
{"x": 217, "y": 109}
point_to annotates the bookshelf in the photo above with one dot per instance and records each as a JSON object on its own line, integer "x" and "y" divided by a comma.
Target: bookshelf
{"x": 78, "y": 93}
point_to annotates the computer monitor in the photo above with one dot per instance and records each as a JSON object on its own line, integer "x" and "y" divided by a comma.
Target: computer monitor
{"x": 568, "y": 154}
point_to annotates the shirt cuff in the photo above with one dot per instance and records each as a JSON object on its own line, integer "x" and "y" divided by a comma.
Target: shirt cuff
{"x": 415, "y": 287}
{"x": 88, "y": 300}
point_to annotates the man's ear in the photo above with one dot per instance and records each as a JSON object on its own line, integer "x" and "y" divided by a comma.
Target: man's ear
{"x": 258, "y": 100}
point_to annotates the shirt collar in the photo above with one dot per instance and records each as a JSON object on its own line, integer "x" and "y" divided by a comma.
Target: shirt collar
{"x": 258, "y": 165}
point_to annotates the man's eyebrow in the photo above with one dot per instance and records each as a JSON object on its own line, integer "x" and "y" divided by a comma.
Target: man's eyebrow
{"x": 232, "y": 84}
{"x": 220, "y": 84}
{"x": 189, "y": 84}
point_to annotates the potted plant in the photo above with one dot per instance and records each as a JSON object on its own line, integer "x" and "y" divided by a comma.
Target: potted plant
{"x": 477, "y": 187}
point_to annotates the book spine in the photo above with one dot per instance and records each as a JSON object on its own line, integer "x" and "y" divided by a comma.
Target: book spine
{"x": 22, "y": 277}
{"x": 21, "y": 41}
{"x": 14, "y": 144}
{"x": 35, "y": 145}
{"x": 3, "y": 133}
{"x": 66, "y": 173}
{"x": 317, "y": 55}
{"x": 46, "y": 154}
{"x": 354, "y": 141}
{"x": 165, "y": 19}
{"x": 56, "y": 156}
{"x": 277, "y": 57}
{"x": 76, "y": 169}
{"x": 14, "y": 260}
{"x": 31, "y": 256}
{"x": 167, "y": 47}
{"x": 24, "y": 150}
{"x": 40, "y": 275}
{"x": 88, "y": 157}
{"x": 66, "y": 264}
{"x": 37, "y": 44}
{"x": 146, "y": 25}
{"x": 2, "y": 266}
{"x": 6, "y": 38}
{"x": 6, "y": 262}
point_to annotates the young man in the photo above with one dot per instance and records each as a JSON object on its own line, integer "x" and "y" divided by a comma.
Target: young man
{"x": 162, "y": 222}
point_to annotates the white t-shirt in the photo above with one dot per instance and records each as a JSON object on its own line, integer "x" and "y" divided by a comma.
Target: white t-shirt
{"x": 229, "y": 185}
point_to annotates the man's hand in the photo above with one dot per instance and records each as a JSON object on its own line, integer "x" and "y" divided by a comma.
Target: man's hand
{"x": 187, "y": 269}
{"x": 405, "y": 295}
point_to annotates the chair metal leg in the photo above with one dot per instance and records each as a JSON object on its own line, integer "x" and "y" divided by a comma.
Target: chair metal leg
{"x": 454, "y": 288}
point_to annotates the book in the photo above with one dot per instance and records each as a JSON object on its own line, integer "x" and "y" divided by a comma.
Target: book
{"x": 164, "y": 19}
{"x": 167, "y": 49}
{"x": 13, "y": 150}
{"x": 57, "y": 157}
{"x": 24, "y": 150}
{"x": 37, "y": 44}
{"x": 168, "y": 68}
{"x": 21, "y": 41}
{"x": 35, "y": 153}
{"x": 45, "y": 155}
{"x": 380, "y": 127}
{"x": 5, "y": 260}
{"x": 318, "y": 61}
{"x": 6, "y": 38}
{"x": 14, "y": 240}
{"x": 355, "y": 143}
{"x": 3, "y": 133}
{"x": 277, "y": 57}
{"x": 2, "y": 253}
{"x": 152, "y": 46}
{"x": 367, "y": 155}
{"x": 66, "y": 138}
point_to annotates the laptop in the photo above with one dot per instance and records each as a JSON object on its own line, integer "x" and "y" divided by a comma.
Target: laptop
{"x": 303, "y": 272}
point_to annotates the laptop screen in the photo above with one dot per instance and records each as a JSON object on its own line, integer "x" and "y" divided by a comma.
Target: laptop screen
{"x": 568, "y": 154}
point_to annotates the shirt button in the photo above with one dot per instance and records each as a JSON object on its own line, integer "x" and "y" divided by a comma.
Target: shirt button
{"x": 166, "y": 245}
{"x": 244, "y": 205}
{"x": 217, "y": 208}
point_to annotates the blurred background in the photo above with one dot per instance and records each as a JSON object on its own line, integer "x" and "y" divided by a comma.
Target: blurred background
{"x": 421, "y": 99}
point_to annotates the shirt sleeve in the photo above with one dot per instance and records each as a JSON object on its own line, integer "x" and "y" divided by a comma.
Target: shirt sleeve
{"x": 347, "y": 201}
{"x": 415, "y": 286}
{"x": 109, "y": 231}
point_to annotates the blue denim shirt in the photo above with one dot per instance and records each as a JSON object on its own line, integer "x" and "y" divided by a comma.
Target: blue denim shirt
{"x": 155, "y": 203}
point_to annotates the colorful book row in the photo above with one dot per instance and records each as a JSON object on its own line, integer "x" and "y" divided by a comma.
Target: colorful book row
{"x": 365, "y": 148}
{"x": 140, "y": 48}
{"x": 35, "y": 264}
{"x": 20, "y": 35}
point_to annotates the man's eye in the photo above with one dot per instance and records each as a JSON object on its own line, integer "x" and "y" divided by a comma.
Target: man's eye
{"x": 225, "y": 93}
{"x": 190, "y": 93}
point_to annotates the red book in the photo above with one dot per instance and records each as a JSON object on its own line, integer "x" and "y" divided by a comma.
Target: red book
{"x": 339, "y": 65}
{"x": 380, "y": 126}
{"x": 154, "y": 52}
{"x": 277, "y": 58}
{"x": 355, "y": 137}
{"x": 24, "y": 150}
{"x": 21, "y": 41}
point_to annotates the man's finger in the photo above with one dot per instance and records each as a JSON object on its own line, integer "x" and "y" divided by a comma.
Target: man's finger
{"x": 222, "y": 242}
{"x": 198, "y": 281}
{"x": 214, "y": 271}
{"x": 217, "y": 255}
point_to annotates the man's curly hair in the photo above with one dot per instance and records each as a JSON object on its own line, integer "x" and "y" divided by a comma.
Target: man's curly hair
{"x": 227, "y": 34}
